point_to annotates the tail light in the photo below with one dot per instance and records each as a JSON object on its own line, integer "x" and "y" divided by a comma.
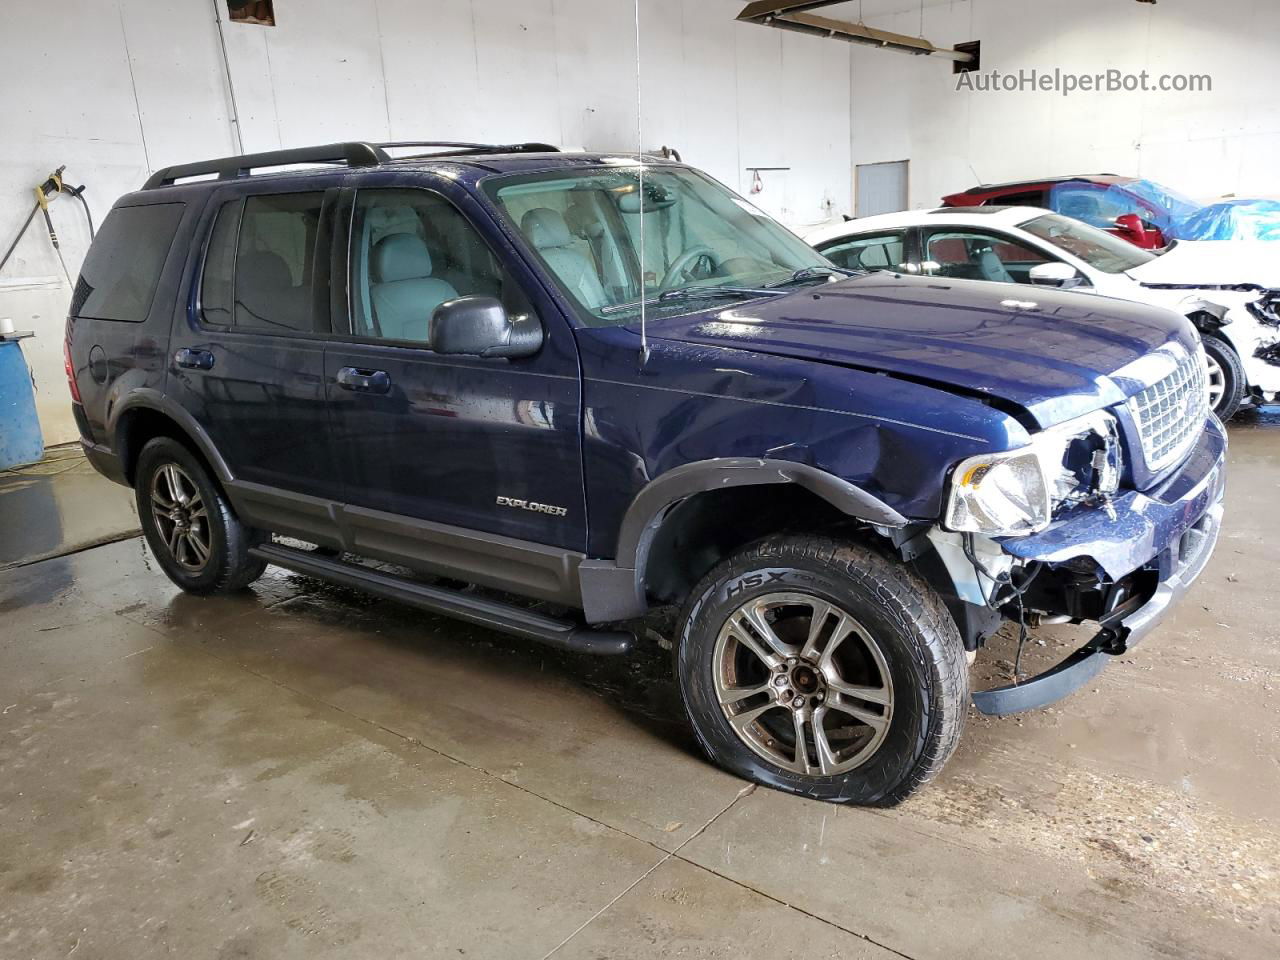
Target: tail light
{"x": 71, "y": 373}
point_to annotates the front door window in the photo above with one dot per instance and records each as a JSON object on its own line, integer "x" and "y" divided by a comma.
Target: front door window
{"x": 980, "y": 255}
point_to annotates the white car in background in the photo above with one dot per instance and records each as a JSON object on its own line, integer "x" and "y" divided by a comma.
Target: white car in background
{"x": 1230, "y": 291}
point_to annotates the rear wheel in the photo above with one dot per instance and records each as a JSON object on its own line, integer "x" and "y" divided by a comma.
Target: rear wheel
{"x": 1226, "y": 378}
{"x": 824, "y": 669}
{"x": 191, "y": 529}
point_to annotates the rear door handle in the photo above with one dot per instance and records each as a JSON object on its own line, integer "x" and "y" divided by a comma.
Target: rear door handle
{"x": 193, "y": 358}
{"x": 364, "y": 381}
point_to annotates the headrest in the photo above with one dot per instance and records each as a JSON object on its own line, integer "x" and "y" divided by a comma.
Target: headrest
{"x": 546, "y": 229}
{"x": 401, "y": 256}
{"x": 263, "y": 270}
{"x": 583, "y": 221}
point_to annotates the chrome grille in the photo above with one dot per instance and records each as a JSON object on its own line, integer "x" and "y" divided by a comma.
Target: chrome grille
{"x": 1171, "y": 412}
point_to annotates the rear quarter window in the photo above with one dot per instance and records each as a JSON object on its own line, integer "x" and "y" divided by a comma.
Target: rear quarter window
{"x": 119, "y": 276}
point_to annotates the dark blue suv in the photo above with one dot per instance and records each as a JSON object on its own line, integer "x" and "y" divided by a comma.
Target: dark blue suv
{"x": 549, "y": 393}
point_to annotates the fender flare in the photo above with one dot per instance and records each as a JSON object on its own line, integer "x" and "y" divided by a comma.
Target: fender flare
{"x": 1191, "y": 308}
{"x": 615, "y": 589}
{"x": 146, "y": 398}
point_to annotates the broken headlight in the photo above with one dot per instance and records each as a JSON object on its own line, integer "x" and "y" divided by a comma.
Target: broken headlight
{"x": 1266, "y": 309}
{"x": 1015, "y": 493}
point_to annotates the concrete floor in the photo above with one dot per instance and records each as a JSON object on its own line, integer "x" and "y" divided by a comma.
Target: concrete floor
{"x": 58, "y": 506}
{"x": 300, "y": 771}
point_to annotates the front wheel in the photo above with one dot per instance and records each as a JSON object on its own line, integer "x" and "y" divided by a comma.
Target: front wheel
{"x": 822, "y": 668}
{"x": 1225, "y": 377}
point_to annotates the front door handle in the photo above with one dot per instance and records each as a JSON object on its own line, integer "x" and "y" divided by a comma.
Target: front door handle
{"x": 364, "y": 381}
{"x": 193, "y": 358}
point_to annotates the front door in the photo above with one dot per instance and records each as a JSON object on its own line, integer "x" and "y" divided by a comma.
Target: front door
{"x": 438, "y": 449}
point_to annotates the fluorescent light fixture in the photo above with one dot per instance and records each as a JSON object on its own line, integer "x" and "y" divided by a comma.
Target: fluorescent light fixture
{"x": 795, "y": 16}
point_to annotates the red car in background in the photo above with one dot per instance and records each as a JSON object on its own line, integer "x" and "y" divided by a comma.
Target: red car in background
{"x": 1143, "y": 212}
{"x": 1105, "y": 200}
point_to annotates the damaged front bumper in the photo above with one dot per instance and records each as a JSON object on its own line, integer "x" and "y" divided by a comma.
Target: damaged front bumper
{"x": 1154, "y": 548}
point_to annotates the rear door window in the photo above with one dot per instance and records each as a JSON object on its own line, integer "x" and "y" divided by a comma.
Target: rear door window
{"x": 217, "y": 289}
{"x": 267, "y": 264}
{"x": 119, "y": 277}
{"x": 276, "y": 261}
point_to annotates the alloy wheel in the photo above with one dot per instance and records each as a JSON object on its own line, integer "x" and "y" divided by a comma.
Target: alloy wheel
{"x": 181, "y": 517}
{"x": 803, "y": 684}
{"x": 1215, "y": 380}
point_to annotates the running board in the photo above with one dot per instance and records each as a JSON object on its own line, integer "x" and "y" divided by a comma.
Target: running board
{"x": 503, "y": 617}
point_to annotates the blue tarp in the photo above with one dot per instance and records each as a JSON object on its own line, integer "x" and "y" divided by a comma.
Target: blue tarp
{"x": 1178, "y": 217}
{"x": 1233, "y": 220}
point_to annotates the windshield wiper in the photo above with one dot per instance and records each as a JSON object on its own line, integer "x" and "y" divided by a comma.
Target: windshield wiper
{"x": 695, "y": 293}
{"x": 815, "y": 272}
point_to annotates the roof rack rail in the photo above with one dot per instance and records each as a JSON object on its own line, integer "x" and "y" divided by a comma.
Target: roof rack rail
{"x": 353, "y": 154}
{"x": 453, "y": 146}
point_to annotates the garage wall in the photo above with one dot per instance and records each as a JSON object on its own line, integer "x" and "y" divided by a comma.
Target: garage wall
{"x": 116, "y": 88}
{"x": 1204, "y": 144}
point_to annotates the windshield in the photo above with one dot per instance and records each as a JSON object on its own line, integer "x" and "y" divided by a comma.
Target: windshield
{"x": 1099, "y": 249}
{"x": 700, "y": 241}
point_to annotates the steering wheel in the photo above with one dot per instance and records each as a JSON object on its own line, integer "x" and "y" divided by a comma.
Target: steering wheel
{"x": 684, "y": 264}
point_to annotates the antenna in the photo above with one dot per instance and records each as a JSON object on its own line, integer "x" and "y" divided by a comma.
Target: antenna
{"x": 644, "y": 293}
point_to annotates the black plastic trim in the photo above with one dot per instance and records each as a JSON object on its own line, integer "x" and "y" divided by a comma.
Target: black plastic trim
{"x": 488, "y": 559}
{"x": 147, "y": 398}
{"x": 649, "y": 507}
{"x": 1052, "y": 685}
{"x": 609, "y": 592}
{"x": 352, "y": 154}
{"x": 652, "y": 504}
{"x": 505, "y": 618}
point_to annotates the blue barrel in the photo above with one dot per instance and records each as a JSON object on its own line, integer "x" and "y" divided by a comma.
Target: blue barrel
{"x": 20, "y": 437}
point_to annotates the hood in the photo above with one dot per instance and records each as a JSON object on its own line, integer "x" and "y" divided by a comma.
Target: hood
{"x": 1213, "y": 263}
{"x": 1046, "y": 352}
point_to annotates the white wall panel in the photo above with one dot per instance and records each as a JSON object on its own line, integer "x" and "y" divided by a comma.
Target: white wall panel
{"x": 122, "y": 87}
{"x": 1203, "y": 144}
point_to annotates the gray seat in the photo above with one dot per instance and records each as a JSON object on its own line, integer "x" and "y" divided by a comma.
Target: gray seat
{"x": 266, "y": 294}
{"x": 992, "y": 267}
{"x": 404, "y": 292}
{"x": 550, "y": 236}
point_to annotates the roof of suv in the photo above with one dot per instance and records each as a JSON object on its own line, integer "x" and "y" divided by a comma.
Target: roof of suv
{"x": 483, "y": 158}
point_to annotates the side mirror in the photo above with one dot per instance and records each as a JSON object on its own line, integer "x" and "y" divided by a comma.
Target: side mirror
{"x": 1054, "y": 275}
{"x": 1130, "y": 226}
{"x": 480, "y": 327}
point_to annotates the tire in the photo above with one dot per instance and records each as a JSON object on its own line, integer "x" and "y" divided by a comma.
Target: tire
{"x": 906, "y": 660}
{"x": 198, "y": 508}
{"x": 1232, "y": 372}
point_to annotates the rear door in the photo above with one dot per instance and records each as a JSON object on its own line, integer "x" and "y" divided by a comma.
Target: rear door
{"x": 481, "y": 446}
{"x": 249, "y": 363}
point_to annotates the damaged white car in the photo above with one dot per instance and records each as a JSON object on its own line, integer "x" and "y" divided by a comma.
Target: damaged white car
{"x": 1229, "y": 290}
